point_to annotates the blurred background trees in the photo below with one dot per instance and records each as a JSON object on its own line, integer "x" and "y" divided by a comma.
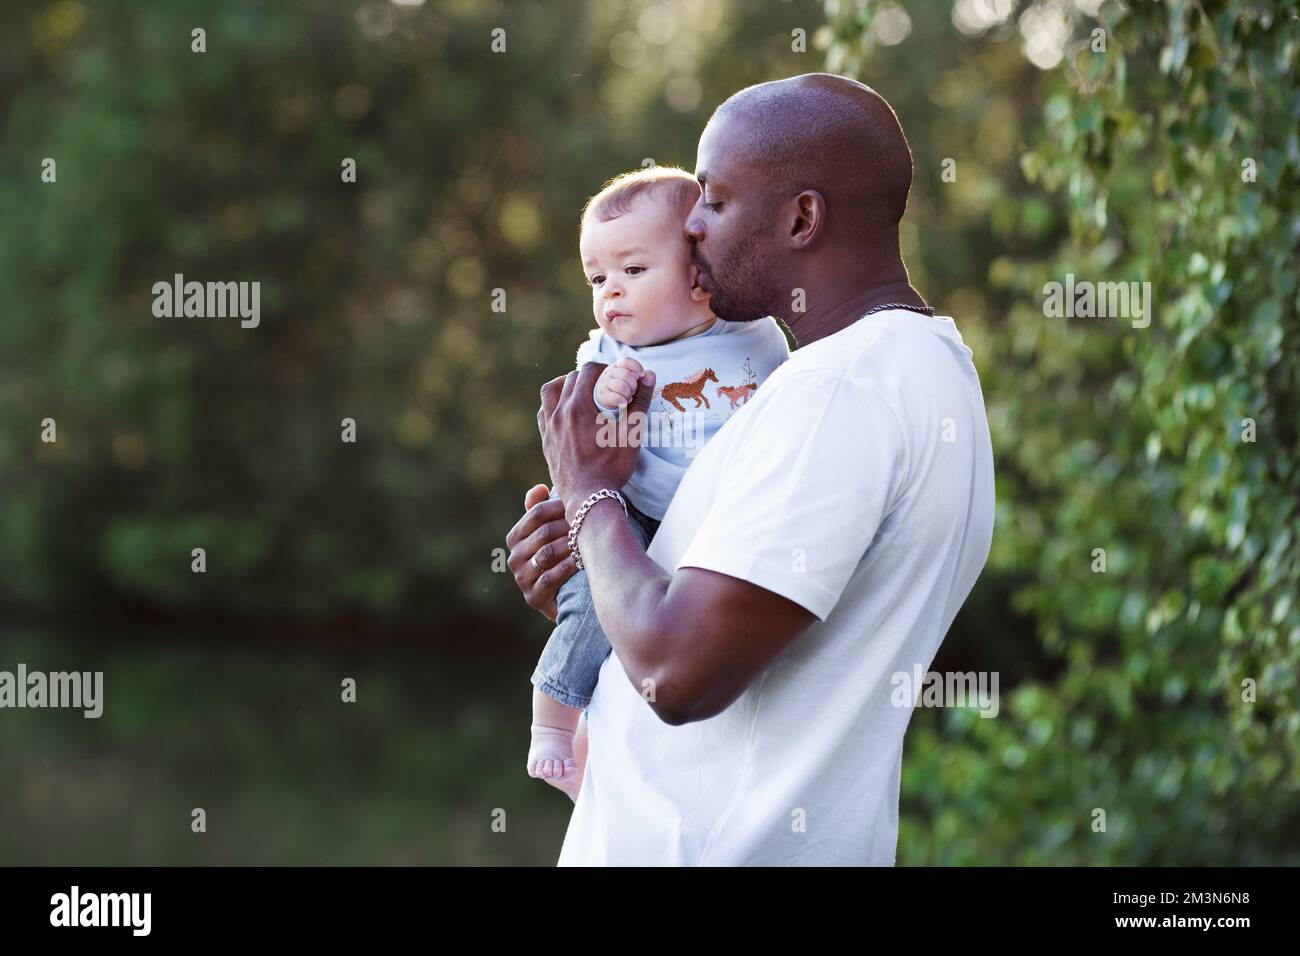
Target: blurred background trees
{"x": 376, "y": 559}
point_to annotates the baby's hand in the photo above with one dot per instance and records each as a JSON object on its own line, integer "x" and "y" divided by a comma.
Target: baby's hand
{"x": 616, "y": 386}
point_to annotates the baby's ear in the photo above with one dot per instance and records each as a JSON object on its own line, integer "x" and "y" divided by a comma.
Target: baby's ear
{"x": 698, "y": 294}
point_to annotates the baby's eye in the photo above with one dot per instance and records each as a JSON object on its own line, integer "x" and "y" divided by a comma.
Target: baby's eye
{"x": 634, "y": 270}
{"x": 596, "y": 280}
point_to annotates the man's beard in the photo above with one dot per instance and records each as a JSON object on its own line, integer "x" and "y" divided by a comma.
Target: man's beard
{"x": 740, "y": 294}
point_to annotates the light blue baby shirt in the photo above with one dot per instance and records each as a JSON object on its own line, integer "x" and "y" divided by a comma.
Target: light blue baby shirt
{"x": 700, "y": 382}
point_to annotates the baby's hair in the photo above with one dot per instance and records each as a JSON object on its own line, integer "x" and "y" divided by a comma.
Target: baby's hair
{"x": 619, "y": 195}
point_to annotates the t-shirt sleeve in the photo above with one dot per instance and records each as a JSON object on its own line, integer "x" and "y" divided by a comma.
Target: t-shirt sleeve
{"x": 591, "y": 350}
{"x": 807, "y": 488}
{"x": 604, "y": 410}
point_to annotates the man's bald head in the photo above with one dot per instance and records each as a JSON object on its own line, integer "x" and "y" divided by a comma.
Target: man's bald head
{"x": 829, "y": 133}
{"x": 803, "y": 183}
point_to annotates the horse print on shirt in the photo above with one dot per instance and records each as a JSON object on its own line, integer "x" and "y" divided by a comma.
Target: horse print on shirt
{"x": 739, "y": 394}
{"x": 691, "y": 387}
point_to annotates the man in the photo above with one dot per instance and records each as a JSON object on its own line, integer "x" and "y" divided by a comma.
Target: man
{"x": 821, "y": 543}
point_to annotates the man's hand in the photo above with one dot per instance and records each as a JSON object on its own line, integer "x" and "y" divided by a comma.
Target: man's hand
{"x": 541, "y": 534}
{"x": 617, "y": 385}
{"x": 569, "y": 425}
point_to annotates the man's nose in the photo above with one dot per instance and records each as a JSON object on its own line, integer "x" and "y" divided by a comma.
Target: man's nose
{"x": 694, "y": 229}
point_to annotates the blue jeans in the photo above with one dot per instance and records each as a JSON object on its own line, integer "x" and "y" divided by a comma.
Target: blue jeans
{"x": 578, "y": 647}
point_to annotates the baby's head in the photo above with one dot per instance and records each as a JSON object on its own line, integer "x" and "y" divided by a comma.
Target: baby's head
{"x": 637, "y": 259}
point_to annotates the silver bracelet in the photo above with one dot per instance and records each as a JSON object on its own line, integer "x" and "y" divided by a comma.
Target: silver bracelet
{"x": 582, "y": 513}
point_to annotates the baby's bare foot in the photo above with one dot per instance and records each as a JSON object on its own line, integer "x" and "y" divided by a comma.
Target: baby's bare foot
{"x": 551, "y": 758}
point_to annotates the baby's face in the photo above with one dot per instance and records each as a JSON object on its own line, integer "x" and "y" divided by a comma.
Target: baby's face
{"x": 643, "y": 289}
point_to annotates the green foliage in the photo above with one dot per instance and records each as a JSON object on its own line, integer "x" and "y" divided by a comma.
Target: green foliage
{"x": 1131, "y": 440}
{"x": 376, "y": 296}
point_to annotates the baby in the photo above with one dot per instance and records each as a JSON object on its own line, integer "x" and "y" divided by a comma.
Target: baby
{"x": 653, "y": 316}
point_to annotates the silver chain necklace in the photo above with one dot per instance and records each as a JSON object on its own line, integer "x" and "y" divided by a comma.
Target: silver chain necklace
{"x": 924, "y": 310}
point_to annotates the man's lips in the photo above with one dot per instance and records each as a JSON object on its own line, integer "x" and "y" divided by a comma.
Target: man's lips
{"x": 704, "y": 274}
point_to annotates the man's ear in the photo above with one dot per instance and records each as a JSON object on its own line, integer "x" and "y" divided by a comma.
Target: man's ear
{"x": 807, "y": 218}
{"x": 698, "y": 294}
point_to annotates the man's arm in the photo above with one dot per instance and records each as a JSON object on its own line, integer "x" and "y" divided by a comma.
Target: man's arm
{"x": 701, "y": 637}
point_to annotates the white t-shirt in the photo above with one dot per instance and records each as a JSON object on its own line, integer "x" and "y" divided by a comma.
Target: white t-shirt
{"x": 858, "y": 483}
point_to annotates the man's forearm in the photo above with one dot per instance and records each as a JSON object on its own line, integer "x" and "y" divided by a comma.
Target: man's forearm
{"x": 628, "y": 591}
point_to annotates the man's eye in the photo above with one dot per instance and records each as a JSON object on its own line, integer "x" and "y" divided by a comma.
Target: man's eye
{"x": 713, "y": 206}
